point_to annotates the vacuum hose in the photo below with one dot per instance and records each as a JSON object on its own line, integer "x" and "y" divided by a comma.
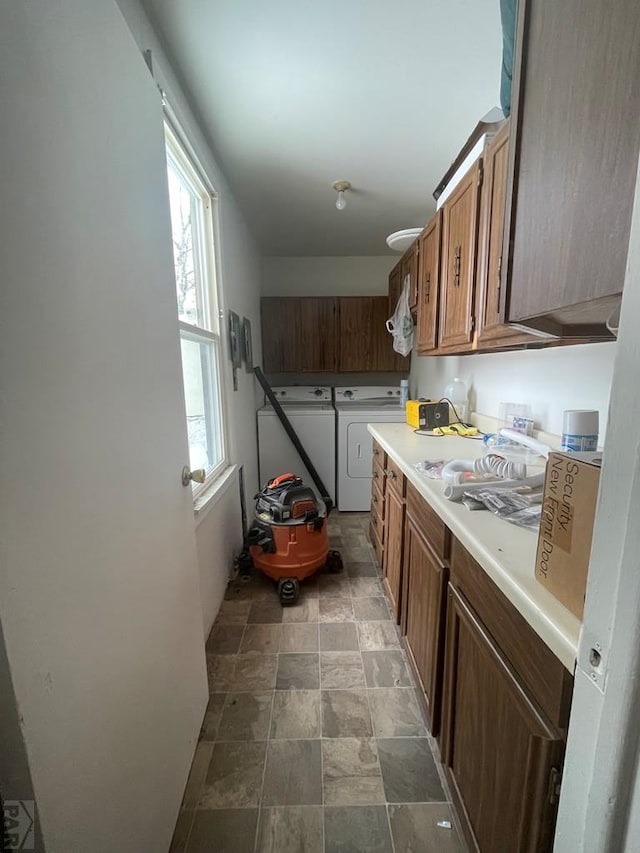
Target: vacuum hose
{"x": 456, "y": 492}
{"x": 458, "y": 471}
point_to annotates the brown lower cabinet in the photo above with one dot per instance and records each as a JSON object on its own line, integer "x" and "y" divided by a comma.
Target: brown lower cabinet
{"x": 505, "y": 711}
{"x": 495, "y": 693}
{"x": 378, "y": 494}
{"x": 425, "y": 583}
{"x": 502, "y": 755}
{"x": 394, "y": 507}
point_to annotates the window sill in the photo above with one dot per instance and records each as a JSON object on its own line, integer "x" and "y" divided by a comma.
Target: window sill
{"x": 205, "y": 501}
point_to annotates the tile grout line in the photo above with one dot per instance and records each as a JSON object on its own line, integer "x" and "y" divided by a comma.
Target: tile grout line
{"x": 375, "y": 738}
{"x": 264, "y": 772}
{"x": 322, "y": 813}
{"x": 185, "y": 849}
{"x": 386, "y": 802}
{"x": 386, "y": 809}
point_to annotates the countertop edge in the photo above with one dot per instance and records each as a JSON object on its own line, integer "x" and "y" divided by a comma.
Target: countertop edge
{"x": 564, "y": 647}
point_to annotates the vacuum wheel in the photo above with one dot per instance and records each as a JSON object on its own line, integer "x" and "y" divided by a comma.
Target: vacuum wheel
{"x": 288, "y": 591}
{"x": 334, "y": 562}
{"x": 245, "y": 564}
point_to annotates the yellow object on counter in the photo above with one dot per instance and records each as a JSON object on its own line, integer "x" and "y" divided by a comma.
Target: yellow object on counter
{"x": 456, "y": 429}
{"x": 412, "y": 408}
{"x": 427, "y": 414}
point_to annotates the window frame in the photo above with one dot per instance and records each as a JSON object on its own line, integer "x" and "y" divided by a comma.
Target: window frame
{"x": 208, "y": 296}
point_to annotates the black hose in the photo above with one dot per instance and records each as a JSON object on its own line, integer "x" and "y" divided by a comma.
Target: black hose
{"x": 286, "y": 423}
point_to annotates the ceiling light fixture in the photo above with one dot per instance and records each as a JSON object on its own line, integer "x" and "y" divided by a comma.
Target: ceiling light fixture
{"x": 341, "y": 187}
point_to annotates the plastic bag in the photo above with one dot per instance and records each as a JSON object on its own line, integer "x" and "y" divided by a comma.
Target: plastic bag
{"x": 401, "y": 324}
{"x": 523, "y": 510}
{"x": 431, "y": 468}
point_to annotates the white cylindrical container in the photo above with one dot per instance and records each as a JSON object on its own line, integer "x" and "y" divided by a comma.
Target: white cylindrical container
{"x": 456, "y": 393}
{"x": 580, "y": 428}
{"x": 404, "y": 392}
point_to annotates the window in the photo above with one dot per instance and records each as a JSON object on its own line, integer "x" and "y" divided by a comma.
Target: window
{"x": 193, "y": 253}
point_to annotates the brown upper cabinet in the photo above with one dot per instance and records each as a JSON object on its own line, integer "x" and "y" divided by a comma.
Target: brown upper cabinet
{"x": 299, "y": 334}
{"x": 407, "y": 266}
{"x": 428, "y": 286}
{"x": 281, "y": 338}
{"x": 410, "y": 270}
{"x": 325, "y": 334}
{"x": 491, "y": 331}
{"x": 457, "y": 273}
{"x": 364, "y": 343}
{"x": 575, "y": 127}
{"x": 395, "y": 286}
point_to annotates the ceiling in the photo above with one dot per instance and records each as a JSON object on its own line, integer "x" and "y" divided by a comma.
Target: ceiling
{"x": 296, "y": 94}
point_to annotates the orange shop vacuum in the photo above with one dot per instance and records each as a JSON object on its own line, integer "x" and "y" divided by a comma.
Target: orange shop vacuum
{"x": 288, "y": 539}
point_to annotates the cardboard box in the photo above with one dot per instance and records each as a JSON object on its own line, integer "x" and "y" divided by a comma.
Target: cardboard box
{"x": 566, "y": 527}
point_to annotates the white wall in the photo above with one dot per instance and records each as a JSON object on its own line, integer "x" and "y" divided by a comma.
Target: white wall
{"x": 549, "y": 380}
{"x": 219, "y": 533}
{"x": 347, "y": 276}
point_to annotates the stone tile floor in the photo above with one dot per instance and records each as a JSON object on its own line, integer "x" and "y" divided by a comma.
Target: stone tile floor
{"x": 313, "y": 740}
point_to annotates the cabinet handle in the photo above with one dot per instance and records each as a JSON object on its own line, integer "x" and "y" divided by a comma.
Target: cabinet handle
{"x": 499, "y": 275}
{"x": 375, "y": 451}
{"x": 456, "y": 265}
{"x": 428, "y": 284}
{"x": 391, "y": 474}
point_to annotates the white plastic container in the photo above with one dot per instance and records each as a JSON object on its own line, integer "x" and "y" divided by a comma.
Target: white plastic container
{"x": 404, "y": 392}
{"x": 456, "y": 393}
{"x": 580, "y": 429}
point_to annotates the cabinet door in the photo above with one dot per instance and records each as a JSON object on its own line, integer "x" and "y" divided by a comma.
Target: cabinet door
{"x": 393, "y": 548}
{"x": 355, "y": 335}
{"x": 385, "y": 358}
{"x": 459, "y": 239}
{"x": 501, "y": 754}
{"x": 281, "y": 335}
{"x": 491, "y": 330}
{"x": 299, "y": 334}
{"x": 425, "y": 591}
{"x": 410, "y": 271}
{"x": 428, "y": 286}
{"x": 395, "y": 287}
{"x": 318, "y": 334}
{"x": 364, "y": 343}
{"x": 576, "y": 124}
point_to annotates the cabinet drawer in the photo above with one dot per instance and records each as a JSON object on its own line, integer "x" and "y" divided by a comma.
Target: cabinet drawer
{"x": 376, "y": 519}
{"x": 377, "y": 500}
{"x": 378, "y": 478}
{"x": 429, "y": 523}
{"x": 379, "y": 456}
{"x": 543, "y": 675}
{"x": 376, "y": 541}
{"x": 395, "y": 478}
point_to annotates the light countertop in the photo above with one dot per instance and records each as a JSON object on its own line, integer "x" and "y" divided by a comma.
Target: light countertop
{"x": 506, "y": 552}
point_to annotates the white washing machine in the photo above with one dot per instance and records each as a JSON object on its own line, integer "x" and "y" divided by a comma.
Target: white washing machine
{"x": 310, "y": 410}
{"x": 355, "y": 408}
